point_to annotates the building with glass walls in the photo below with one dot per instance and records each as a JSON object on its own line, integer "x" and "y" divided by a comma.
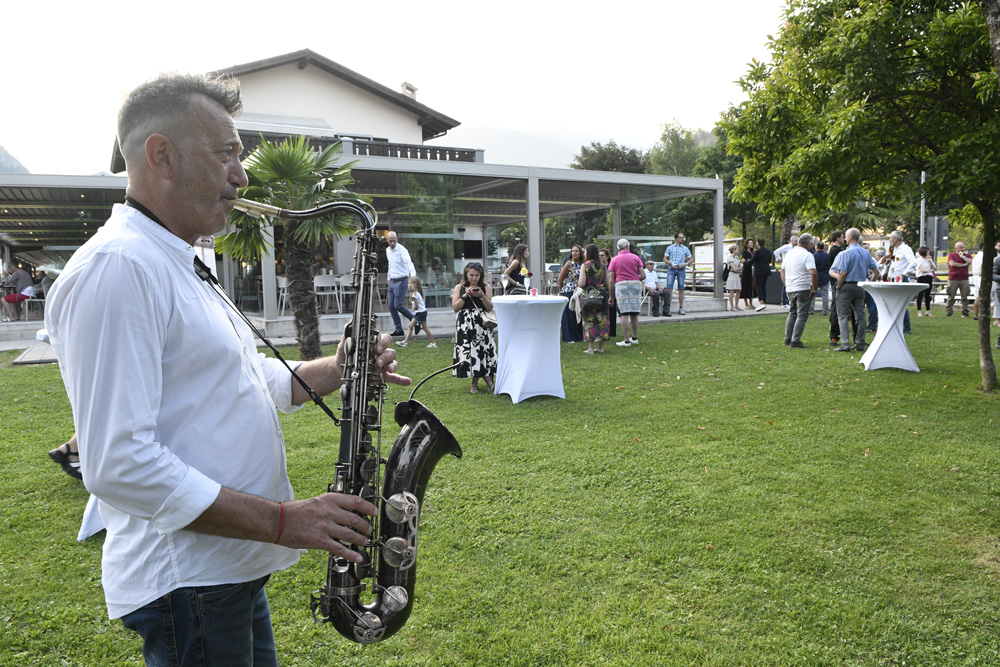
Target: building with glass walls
{"x": 448, "y": 206}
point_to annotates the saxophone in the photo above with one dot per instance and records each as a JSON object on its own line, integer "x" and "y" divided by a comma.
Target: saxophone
{"x": 369, "y": 601}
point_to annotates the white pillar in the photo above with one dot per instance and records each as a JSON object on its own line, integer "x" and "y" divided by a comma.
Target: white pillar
{"x": 536, "y": 235}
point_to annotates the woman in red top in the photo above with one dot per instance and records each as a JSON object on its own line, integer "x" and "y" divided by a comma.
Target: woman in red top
{"x": 626, "y": 273}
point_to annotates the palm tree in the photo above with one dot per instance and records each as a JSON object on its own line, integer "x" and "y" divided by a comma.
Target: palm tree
{"x": 292, "y": 175}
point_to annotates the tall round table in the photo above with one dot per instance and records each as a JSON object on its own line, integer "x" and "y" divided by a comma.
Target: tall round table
{"x": 529, "y": 362}
{"x": 889, "y": 349}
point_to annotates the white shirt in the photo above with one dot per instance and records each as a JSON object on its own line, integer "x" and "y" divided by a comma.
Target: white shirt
{"x": 418, "y": 300}
{"x": 400, "y": 265}
{"x": 651, "y": 279}
{"x": 796, "y": 267}
{"x": 904, "y": 263}
{"x": 780, "y": 253}
{"x": 171, "y": 401}
{"x": 976, "y": 268}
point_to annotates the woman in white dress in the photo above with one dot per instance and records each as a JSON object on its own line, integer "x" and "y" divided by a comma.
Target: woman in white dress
{"x": 734, "y": 283}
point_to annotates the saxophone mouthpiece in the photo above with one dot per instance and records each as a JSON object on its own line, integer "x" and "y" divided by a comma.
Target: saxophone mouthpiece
{"x": 256, "y": 209}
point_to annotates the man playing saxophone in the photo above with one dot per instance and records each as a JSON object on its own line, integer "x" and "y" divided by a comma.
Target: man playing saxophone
{"x": 175, "y": 410}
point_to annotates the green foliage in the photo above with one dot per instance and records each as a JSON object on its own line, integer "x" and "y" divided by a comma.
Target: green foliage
{"x": 676, "y": 508}
{"x": 611, "y": 157}
{"x": 859, "y": 96}
{"x": 291, "y": 175}
{"x": 676, "y": 153}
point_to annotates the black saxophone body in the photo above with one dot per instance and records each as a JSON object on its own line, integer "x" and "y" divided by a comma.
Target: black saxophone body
{"x": 370, "y": 601}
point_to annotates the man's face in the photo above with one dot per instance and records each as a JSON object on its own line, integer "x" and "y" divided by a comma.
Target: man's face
{"x": 959, "y": 247}
{"x": 208, "y": 170}
{"x": 391, "y": 239}
{"x": 679, "y": 239}
{"x": 894, "y": 242}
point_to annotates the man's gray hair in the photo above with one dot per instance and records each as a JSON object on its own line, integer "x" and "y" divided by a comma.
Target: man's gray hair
{"x": 854, "y": 233}
{"x": 806, "y": 240}
{"x": 896, "y": 234}
{"x": 157, "y": 105}
{"x": 622, "y": 243}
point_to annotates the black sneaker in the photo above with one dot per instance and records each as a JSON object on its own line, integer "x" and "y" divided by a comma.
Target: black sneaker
{"x": 798, "y": 345}
{"x": 397, "y": 333}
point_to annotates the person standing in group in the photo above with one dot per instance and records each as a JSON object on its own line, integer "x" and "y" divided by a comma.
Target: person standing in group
{"x": 974, "y": 274}
{"x": 822, "y": 259}
{"x": 924, "y": 272}
{"x": 958, "y": 279}
{"x": 196, "y": 499}
{"x": 475, "y": 351}
{"x": 850, "y": 267}
{"x": 652, "y": 289}
{"x": 995, "y": 291}
{"x": 569, "y": 276}
{"x": 733, "y": 282}
{"x": 902, "y": 267}
{"x": 761, "y": 261}
{"x": 678, "y": 258}
{"x": 836, "y": 246}
{"x": 517, "y": 270}
{"x": 605, "y": 256}
{"x": 798, "y": 273}
{"x": 746, "y": 276}
{"x": 594, "y": 276}
{"x": 779, "y": 257}
{"x": 626, "y": 273}
{"x": 400, "y": 270}
{"x": 419, "y": 314}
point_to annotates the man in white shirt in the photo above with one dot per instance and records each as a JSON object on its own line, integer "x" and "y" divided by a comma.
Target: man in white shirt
{"x": 651, "y": 286}
{"x": 779, "y": 257}
{"x": 902, "y": 267}
{"x": 400, "y": 270}
{"x": 175, "y": 410}
{"x": 974, "y": 271}
{"x": 798, "y": 273}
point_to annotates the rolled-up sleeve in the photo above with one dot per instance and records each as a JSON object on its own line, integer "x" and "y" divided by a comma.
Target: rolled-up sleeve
{"x": 279, "y": 382}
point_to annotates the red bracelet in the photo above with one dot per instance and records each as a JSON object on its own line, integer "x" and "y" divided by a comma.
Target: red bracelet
{"x": 281, "y": 522}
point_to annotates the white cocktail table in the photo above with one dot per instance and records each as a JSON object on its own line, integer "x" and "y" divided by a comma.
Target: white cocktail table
{"x": 889, "y": 349}
{"x": 528, "y": 331}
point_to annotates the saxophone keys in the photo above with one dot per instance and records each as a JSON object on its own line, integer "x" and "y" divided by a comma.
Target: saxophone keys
{"x": 401, "y": 507}
{"x": 397, "y": 553}
{"x": 368, "y": 629}
{"x": 395, "y": 598}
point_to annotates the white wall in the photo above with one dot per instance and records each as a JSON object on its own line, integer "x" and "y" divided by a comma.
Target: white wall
{"x": 313, "y": 93}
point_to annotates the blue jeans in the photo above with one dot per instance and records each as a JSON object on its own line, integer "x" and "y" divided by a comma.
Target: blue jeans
{"x": 397, "y": 301}
{"x": 675, "y": 274}
{"x": 226, "y": 625}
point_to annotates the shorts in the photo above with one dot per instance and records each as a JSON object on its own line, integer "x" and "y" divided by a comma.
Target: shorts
{"x": 15, "y": 298}
{"x": 675, "y": 274}
{"x": 420, "y": 317}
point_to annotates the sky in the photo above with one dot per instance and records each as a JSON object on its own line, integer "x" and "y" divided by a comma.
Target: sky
{"x": 531, "y": 82}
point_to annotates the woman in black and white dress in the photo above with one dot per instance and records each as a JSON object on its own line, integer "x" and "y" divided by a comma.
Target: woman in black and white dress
{"x": 474, "y": 344}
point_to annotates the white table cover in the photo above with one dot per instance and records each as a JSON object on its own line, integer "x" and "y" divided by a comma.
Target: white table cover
{"x": 889, "y": 349}
{"x": 528, "y": 330}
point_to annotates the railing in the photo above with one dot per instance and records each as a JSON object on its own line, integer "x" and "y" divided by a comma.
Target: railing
{"x": 411, "y": 151}
{"x": 373, "y": 147}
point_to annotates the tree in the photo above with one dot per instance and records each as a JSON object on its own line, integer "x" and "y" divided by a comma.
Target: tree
{"x": 676, "y": 153}
{"x": 860, "y": 97}
{"x": 294, "y": 176}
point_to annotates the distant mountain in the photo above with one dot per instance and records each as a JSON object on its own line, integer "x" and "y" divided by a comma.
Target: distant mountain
{"x": 9, "y": 163}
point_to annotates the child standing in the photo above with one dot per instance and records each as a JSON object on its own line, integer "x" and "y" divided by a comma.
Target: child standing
{"x": 419, "y": 313}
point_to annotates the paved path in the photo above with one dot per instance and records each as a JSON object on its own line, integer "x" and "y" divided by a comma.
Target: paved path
{"x": 40, "y": 352}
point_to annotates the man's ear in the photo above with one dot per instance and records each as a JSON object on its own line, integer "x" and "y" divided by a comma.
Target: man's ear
{"x": 161, "y": 156}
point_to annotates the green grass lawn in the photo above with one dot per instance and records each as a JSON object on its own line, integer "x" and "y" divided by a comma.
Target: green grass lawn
{"x": 709, "y": 497}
